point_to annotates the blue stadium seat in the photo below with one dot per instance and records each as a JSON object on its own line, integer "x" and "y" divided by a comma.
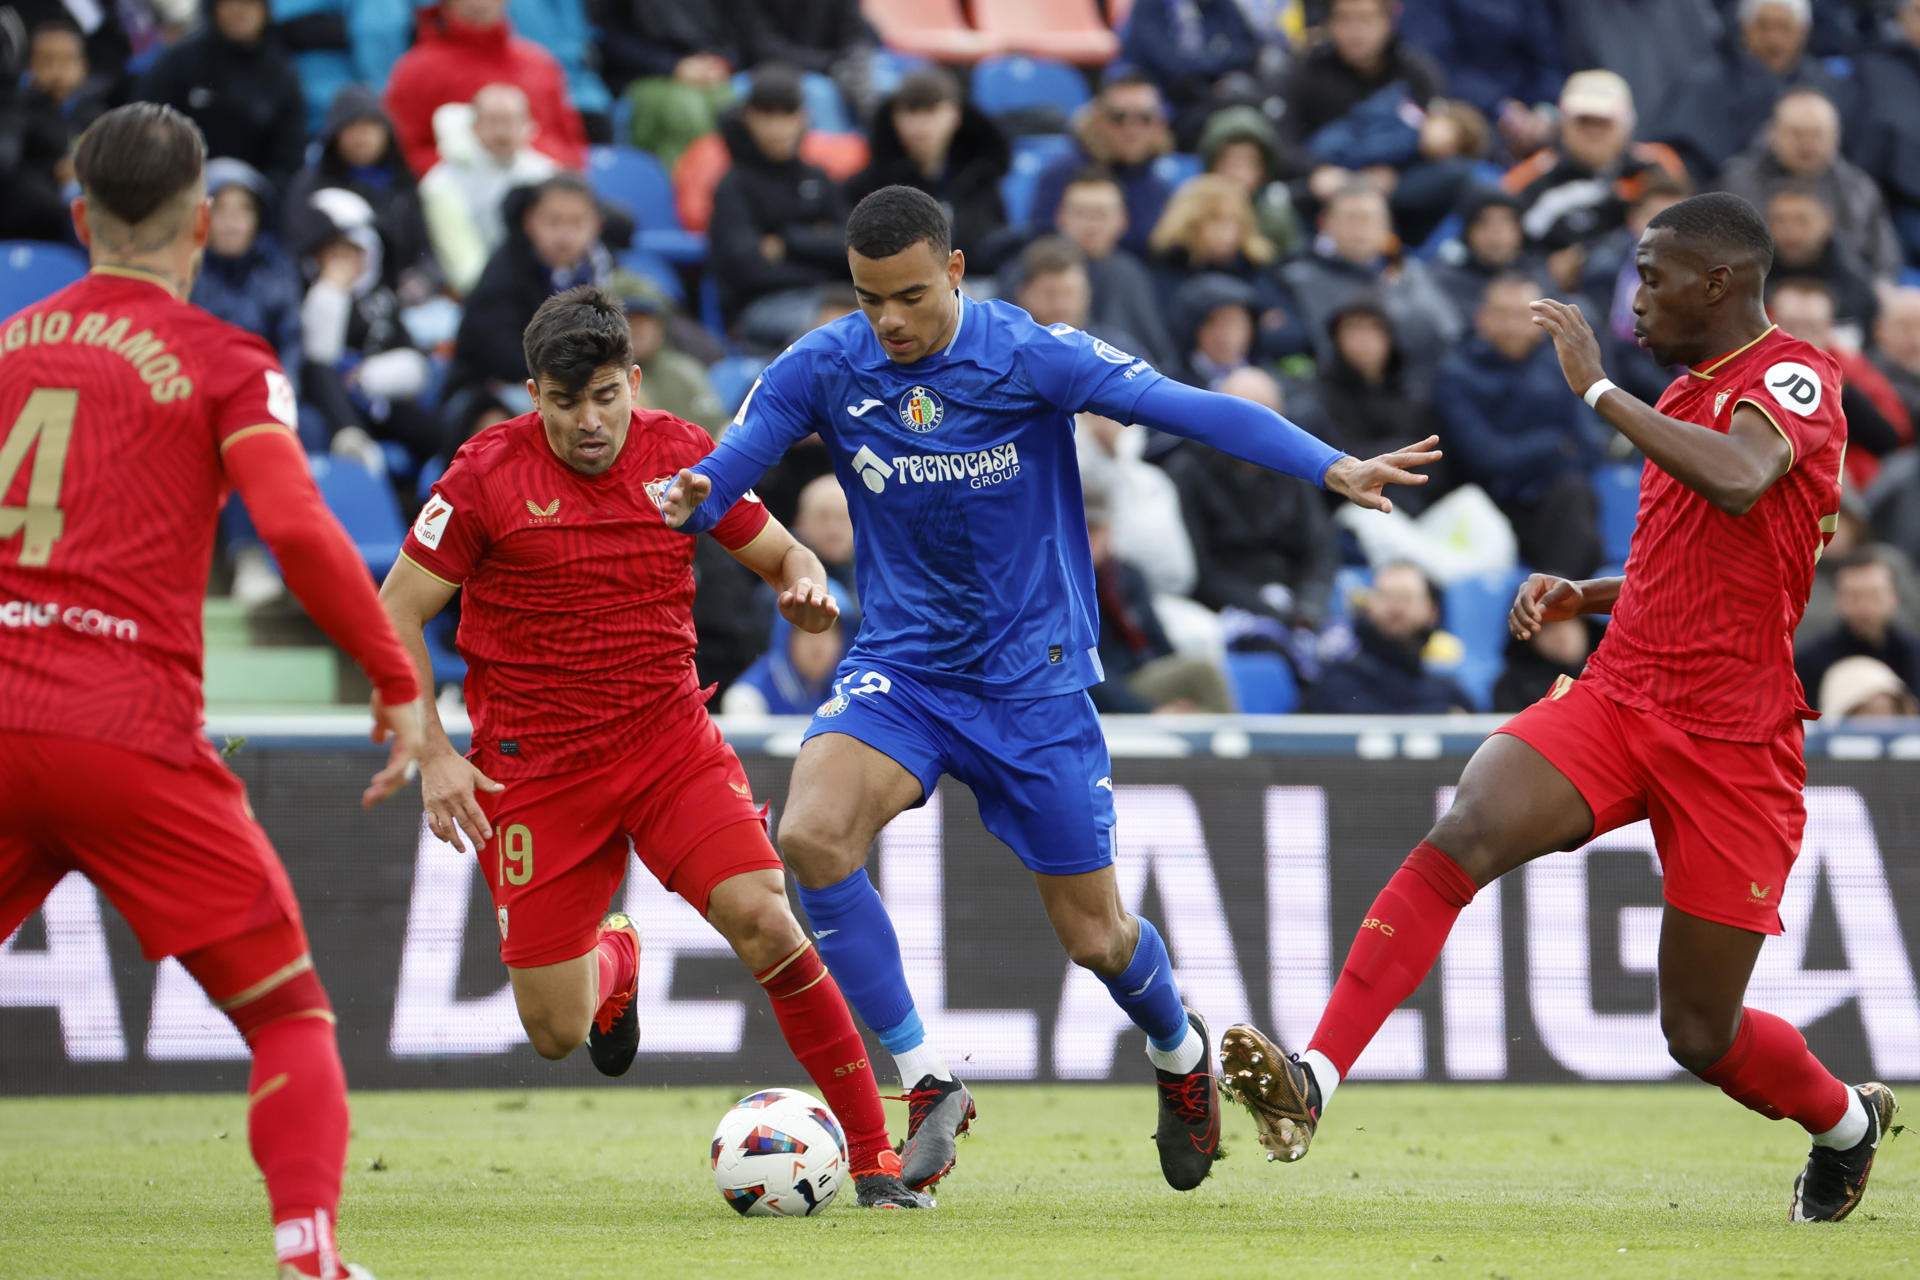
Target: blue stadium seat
{"x": 1176, "y": 167}
{"x": 1476, "y": 612}
{"x": 1616, "y": 490}
{"x": 31, "y": 269}
{"x": 886, "y": 68}
{"x": 448, "y": 666}
{"x": 1031, "y": 154}
{"x": 430, "y": 472}
{"x": 635, "y": 180}
{"x": 364, "y": 505}
{"x": 826, "y": 109}
{"x": 733, "y": 377}
{"x": 657, "y": 269}
{"x": 1002, "y": 86}
{"x": 1041, "y": 149}
{"x": 1348, "y": 582}
{"x": 710, "y": 313}
{"x": 1262, "y": 683}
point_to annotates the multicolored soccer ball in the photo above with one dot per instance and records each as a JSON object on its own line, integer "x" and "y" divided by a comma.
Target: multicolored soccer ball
{"x": 779, "y": 1152}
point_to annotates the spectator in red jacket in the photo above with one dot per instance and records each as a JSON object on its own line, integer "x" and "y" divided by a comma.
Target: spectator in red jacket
{"x": 460, "y": 47}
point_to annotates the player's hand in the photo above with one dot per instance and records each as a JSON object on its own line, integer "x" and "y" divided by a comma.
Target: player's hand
{"x": 808, "y": 606}
{"x": 1361, "y": 483}
{"x": 448, "y": 781}
{"x": 688, "y": 490}
{"x": 1543, "y": 598}
{"x": 1573, "y": 342}
{"x": 404, "y": 727}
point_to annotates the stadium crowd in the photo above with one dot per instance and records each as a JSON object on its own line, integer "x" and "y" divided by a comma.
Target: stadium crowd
{"x": 1337, "y": 208}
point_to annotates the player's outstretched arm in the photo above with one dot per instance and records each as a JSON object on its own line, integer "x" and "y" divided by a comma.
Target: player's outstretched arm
{"x": 795, "y": 572}
{"x": 1543, "y": 598}
{"x": 412, "y": 597}
{"x": 1732, "y": 471}
{"x": 1257, "y": 434}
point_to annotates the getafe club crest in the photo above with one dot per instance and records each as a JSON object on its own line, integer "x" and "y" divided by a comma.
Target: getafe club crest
{"x": 921, "y": 410}
{"x": 832, "y": 706}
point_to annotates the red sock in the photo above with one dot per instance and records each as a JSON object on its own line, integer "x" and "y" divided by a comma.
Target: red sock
{"x": 1769, "y": 1069}
{"x": 1396, "y": 946}
{"x": 814, "y": 1019}
{"x": 618, "y": 959}
{"x": 297, "y": 1127}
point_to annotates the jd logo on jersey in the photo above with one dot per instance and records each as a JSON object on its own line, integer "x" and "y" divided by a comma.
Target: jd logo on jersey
{"x": 1794, "y": 386}
{"x": 921, "y": 410}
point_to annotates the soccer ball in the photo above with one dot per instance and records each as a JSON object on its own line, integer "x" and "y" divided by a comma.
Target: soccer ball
{"x": 779, "y": 1152}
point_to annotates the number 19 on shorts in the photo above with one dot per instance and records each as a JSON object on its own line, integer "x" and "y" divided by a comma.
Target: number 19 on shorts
{"x": 516, "y": 856}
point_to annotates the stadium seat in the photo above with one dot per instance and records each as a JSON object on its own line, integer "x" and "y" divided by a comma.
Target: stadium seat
{"x": 710, "y": 314}
{"x": 364, "y": 505}
{"x": 1263, "y": 684}
{"x": 826, "y": 109}
{"x": 656, "y": 269}
{"x": 733, "y": 377}
{"x": 1348, "y": 582}
{"x": 1071, "y": 30}
{"x": 1002, "y": 86}
{"x": 1476, "y": 612}
{"x": 1616, "y": 491}
{"x": 1176, "y": 167}
{"x": 448, "y": 666}
{"x": 886, "y": 68}
{"x": 633, "y": 179}
{"x": 34, "y": 269}
{"x": 933, "y": 29}
{"x": 430, "y": 472}
{"x": 1041, "y": 149}
{"x": 1031, "y": 155}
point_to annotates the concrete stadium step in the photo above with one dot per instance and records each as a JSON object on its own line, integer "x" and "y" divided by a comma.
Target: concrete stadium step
{"x": 283, "y": 676}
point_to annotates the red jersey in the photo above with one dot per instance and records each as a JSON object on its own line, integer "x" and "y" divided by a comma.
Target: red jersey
{"x": 576, "y": 614}
{"x": 1702, "y": 635}
{"x": 117, "y": 401}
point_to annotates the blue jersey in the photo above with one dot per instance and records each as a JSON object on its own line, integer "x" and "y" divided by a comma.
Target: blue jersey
{"x": 970, "y": 533}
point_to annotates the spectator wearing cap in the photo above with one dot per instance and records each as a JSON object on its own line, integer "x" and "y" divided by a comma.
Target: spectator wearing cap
{"x": 1802, "y": 223}
{"x": 795, "y": 674}
{"x": 480, "y": 162}
{"x": 1384, "y": 671}
{"x": 245, "y": 278}
{"x": 670, "y": 380}
{"x": 1877, "y": 422}
{"x": 1209, "y": 228}
{"x": 1490, "y": 244}
{"x": 1123, "y": 130}
{"x": 1882, "y": 133}
{"x": 1093, "y": 215}
{"x": 460, "y": 47}
{"x": 234, "y": 81}
{"x": 675, "y": 63}
{"x": 1865, "y": 689}
{"x": 924, "y": 135}
{"x": 1802, "y": 145}
{"x": 1241, "y": 144}
{"x": 1579, "y": 190}
{"x": 1511, "y": 428}
{"x": 1715, "y": 115}
{"x": 1197, "y": 52}
{"x": 358, "y": 154}
{"x": 777, "y": 233}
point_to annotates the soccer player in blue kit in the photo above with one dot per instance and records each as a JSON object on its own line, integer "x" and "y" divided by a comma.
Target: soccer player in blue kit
{"x": 950, "y": 423}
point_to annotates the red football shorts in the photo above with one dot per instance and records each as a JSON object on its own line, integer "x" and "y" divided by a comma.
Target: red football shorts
{"x": 560, "y": 843}
{"x": 175, "y": 848}
{"x": 1727, "y": 816}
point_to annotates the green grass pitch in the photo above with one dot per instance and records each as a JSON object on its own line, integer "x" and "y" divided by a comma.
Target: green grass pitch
{"x": 1056, "y": 1182}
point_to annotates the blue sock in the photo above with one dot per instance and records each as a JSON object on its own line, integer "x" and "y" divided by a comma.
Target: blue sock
{"x": 1147, "y": 991}
{"x": 856, "y": 939}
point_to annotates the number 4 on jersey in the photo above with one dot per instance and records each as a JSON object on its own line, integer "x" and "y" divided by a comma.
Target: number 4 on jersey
{"x": 46, "y": 419}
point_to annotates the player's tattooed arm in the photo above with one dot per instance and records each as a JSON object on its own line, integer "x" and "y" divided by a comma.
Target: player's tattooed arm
{"x": 795, "y": 572}
{"x": 1543, "y": 598}
{"x": 1732, "y": 471}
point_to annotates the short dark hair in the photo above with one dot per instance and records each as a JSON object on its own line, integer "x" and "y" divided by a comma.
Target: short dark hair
{"x": 1661, "y": 183}
{"x": 1868, "y": 557}
{"x": 1509, "y": 279}
{"x": 776, "y": 87}
{"x": 1801, "y": 284}
{"x": 896, "y": 218}
{"x": 562, "y": 183}
{"x": 136, "y": 158}
{"x": 63, "y": 24}
{"x": 1094, "y": 176}
{"x": 1050, "y": 255}
{"x": 1125, "y": 76}
{"x": 1721, "y": 224}
{"x": 574, "y": 334}
{"x": 926, "y": 88}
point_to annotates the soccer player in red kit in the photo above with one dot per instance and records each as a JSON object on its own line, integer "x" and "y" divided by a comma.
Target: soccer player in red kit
{"x": 125, "y": 415}
{"x": 1688, "y": 714}
{"x": 591, "y": 737}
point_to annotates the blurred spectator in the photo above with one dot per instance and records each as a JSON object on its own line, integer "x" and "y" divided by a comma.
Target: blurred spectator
{"x": 1803, "y": 245}
{"x": 102, "y": 27}
{"x": 1262, "y": 542}
{"x": 822, "y": 522}
{"x": 1503, "y": 56}
{"x": 1803, "y": 144}
{"x": 1877, "y": 422}
{"x": 1215, "y": 323}
{"x": 1143, "y": 673}
{"x": 1866, "y": 601}
{"x": 1356, "y": 253}
{"x": 1362, "y": 55}
{"x": 1610, "y": 277}
{"x": 39, "y": 119}
{"x": 1556, "y": 649}
{"x": 462, "y": 194}
{"x": 1209, "y": 227}
{"x": 795, "y": 674}
{"x": 1050, "y": 284}
{"x": 554, "y": 243}
{"x": 670, "y": 380}
{"x": 59, "y": 79}
{"x": 1385, "y": 673}
{"x": 1367, "y": 404}
{"x": 460, "y": 47}
{"x": 362, "y": 375}
{"x": 1512, "y": 427}
{"x": 1123, "y": 130}
{"x": 1490, "y": 244}
{"x": 1883, "y": 130}
{"x": 732, "y": 611}
{"x": 232, "y": 79}
{"x": 1198, "y": 51}
{"x": 1450, "y": 144}
{"x": 1580, "y": 190}
{"x": 1865, "y": 688}
{"x": 245, "y": 278}
{"x": 827, "y": 36}
{"x": 1145, "y": 524}
{"x": 1853, "y": 531}
{"x": 1657, "y": 46}
{"x": 1093, "y": 214}
{"x": 777, "y": 229}
{"x": 675, "y": 63}
{"x": 1896, "y": 345}
{"x": 357, "y": 153}
{"x": 926, "y": 136}
{"x": 1241, "y": 144}
{"x": 561, "y": 28}
{"x": 1714, "y": 116}
{"x": 335, "y": 43}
